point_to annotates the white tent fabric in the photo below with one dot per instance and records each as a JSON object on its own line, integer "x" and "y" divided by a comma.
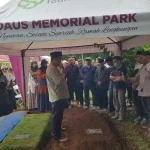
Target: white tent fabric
{"x": 71, "y": 22}
{"x": 37, "y": 27}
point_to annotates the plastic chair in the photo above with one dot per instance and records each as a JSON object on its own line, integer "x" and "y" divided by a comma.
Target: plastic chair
{"x": 18, "y": 95}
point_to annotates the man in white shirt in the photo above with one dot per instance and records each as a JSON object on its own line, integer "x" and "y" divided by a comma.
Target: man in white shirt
{"x": 143, "y": 88}
{"x": 141, "y": 117}
{"x": 58, "y": 93}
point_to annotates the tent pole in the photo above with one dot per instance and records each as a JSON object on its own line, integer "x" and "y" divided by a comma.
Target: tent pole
{"x": 120, "y": 48}
{"x": 23, "y": 71}
{"x": 82, "y": 58}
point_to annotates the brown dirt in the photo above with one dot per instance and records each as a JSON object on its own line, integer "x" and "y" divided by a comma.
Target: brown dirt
{"x": 76, "y": 121}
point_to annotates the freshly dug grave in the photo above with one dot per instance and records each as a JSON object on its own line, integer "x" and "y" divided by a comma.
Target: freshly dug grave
{"x": 76, "y": 121}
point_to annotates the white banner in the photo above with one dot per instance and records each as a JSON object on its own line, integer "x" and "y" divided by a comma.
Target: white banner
{"x": 23, "y": 24}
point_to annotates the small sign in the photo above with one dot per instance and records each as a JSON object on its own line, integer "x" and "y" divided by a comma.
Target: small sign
{"x": 94, "y": 131}
{"x": 24, "y": 136}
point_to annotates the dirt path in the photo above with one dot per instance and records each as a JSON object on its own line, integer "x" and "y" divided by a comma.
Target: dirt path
{"x": 76, "y": 121}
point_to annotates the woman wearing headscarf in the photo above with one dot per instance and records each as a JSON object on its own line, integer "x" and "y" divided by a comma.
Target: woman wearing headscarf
{"x": 13, "y": 75}
{"x": 10, "y": 85}
{"x": 32, "y": 86}
{"x": 43, "y": 98}
{"x": 5, "y": 105}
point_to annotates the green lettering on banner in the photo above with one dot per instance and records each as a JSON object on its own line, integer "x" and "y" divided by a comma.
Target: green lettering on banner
{"x": 29, "y": 4}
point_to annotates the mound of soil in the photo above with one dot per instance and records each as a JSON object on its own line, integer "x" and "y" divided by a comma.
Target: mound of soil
{"x": 76, "y": 121}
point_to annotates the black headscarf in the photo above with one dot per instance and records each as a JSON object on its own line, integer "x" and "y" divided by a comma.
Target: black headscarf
{"x": 3, "y": 79}
{"x": 34, "y": 69}
{"x": 43, "y": 67}
{"x": 1, "y": 72}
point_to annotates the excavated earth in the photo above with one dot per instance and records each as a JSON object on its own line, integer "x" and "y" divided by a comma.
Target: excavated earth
{"x": 76, "y": 122}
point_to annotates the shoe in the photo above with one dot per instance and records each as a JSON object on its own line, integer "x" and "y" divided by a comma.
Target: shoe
{"x": 120, "y": 118}
{"x": 138, "y": 120}
{"x": 98, "y": 108}
{"x": 63, "y": 129}
{"x": 116, "y": 116}
{"x": 105, "y": 110}
{"x": 145, "y": 126}
{"x": 86, "y": 107}
{"x": 144, "y": 121}
{"x": 63, "y": 139}
{"x": 78, "y": 105}
{"x": 70, "y": 106}
{"x": 94, "y": 107}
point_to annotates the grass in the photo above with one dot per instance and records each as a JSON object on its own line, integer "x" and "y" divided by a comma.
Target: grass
{"x": 38, "y": 125}
{"x": 133, "y": 134}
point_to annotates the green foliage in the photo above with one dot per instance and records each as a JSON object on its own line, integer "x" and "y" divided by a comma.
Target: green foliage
{"x": 103, "y": 53}
{"x": 129, "y": 57}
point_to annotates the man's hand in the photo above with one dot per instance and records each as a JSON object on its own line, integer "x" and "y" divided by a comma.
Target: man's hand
{"x": 81, "y": 81}
{"x": 118, "y": 79}
{"x": 113, "y": 78}
{"x": 135, "y": 85}
{"x": 122, "y": 79}
{"x": 99, "y": 83}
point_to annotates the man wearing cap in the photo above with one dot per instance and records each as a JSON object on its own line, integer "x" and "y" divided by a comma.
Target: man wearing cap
{"x": 118, "y": 76}
{"x": 143, "y": 77}
{"x": 88, "y": 72}
{"x": 102, "y": 82}
{"x": 72, "y": 73}
{"x": 109, "y": 61}
{"x": 58, "y": 93}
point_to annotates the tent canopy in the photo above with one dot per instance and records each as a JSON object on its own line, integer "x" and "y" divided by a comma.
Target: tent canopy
{"x": 46, "y": 24}
{"x": 37, "y": 27}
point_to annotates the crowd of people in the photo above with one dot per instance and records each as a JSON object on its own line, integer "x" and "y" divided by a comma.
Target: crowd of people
{"x": 58, "y": 85}
{"x": 107, "y": 79}
{"x": 7, "y": 100}
{"x": 37, "y": 87}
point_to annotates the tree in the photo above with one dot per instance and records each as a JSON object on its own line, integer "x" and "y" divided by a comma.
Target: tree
{"x": 129, "y": 57}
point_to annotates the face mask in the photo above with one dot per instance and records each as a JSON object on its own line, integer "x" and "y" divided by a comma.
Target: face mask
{"x": 116, "y": 65}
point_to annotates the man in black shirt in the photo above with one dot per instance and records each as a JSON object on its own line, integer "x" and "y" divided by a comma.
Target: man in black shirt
{"x": 80, "y": 83}
{"x": 72, "y": 73}
{"x": 101, "y": 78}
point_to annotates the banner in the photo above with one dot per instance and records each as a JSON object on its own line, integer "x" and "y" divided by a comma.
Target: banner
{"x": 16, "y": 67}
{"x": 103, "y": 19}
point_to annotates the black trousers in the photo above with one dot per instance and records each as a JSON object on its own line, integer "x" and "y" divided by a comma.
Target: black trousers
{"x": 130, "y": 96}
{"x": 80, "y": 93}
{"x": 110, "y": 101}
{"x": 89, "y": 85}
{"x": 146, "y": 105}
{"x": 101, "y": 98}
{"x": 138, "y": 104}
{"x": 57, "y": 116}
{"x": 72, "y": 89}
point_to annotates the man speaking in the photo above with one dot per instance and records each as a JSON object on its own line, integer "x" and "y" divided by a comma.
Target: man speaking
{"x": 58, "y": 93}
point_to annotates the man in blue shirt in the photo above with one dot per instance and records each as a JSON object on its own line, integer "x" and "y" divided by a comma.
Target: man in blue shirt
{"x": 72, "y": 73}
{"x": 89, "y": 84}
{"x": 119, "y": 88}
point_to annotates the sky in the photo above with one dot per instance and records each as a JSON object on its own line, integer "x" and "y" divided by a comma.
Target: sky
{"x": 3, "y": 2}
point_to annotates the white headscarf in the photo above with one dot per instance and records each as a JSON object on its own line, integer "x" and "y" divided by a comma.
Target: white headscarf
{"x": 39, "y": 64}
